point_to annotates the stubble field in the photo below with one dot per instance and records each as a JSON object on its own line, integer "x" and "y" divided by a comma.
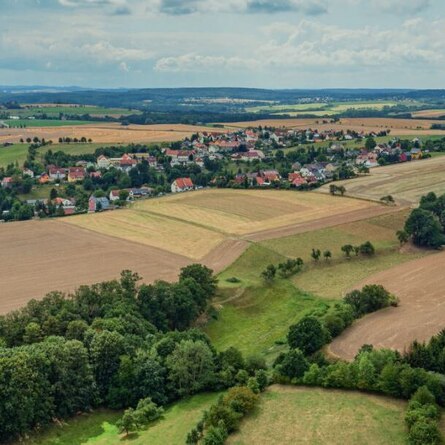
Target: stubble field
{"x": 406, "y": 182}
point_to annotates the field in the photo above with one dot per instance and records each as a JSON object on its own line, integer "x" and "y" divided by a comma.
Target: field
{"x": 406, "y": 182}
{"x": 42, "y": 256}
{"x": 100, "y": 427}
{"x": 31, "y": 123}
{"x": 318, "y": 416}
{"x": 398, "y": 127}
{"x": 157, "y": 237}
{"x": 18, "y": 152}
{"x": 254, "y": 316}
{"x": 429, "y": 113}
{"x": 419, "y": 285}
{"x": 54, "y": 110}
{"x": 320, "y": 109}
{"x": 112, "y": 133}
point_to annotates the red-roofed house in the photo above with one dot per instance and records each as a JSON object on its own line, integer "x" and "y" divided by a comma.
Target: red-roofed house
{"x": 296, "y": 179}
{"x": 7, "y": 182}
{"x": 182, "y": 185}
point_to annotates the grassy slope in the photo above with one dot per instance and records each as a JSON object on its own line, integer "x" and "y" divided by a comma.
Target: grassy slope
{"x": 100, "y": 428}
{"x": 252, "y": 316}
{"x": 319, "y": 416}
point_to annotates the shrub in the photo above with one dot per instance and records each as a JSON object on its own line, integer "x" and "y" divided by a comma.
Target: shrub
{"x": 241, "y": 399}
{"x": 425, "y": 432}
{"x": 293, "y": 364}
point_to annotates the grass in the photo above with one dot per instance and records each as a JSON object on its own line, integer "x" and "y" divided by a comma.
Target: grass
{"x": 18, "y": 152}
{"x": 27, "y": 123}
{"x": 55, "y": 110}
{"x": 319, "y": 416}
{"x": 253, "y": 316}
{"x": 100, "y": 428}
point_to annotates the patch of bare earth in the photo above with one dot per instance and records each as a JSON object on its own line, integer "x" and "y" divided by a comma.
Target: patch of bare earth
{"x": 420, "y": 286}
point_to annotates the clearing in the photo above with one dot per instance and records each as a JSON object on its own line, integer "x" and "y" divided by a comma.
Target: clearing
{"x": 100, "y": 427}
{"x": 318, "y": 416}
{"x": 419, "y": 285}
{"x": 406, "y": 182}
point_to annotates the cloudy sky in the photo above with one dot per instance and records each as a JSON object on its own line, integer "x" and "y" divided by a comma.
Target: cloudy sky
{"x": 252, "y": 43}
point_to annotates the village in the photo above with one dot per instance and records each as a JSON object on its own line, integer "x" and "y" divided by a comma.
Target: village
{"x": 300, "y": 159}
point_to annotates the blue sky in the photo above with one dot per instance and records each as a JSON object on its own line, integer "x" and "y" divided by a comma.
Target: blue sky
{"x": 251, "y": 43}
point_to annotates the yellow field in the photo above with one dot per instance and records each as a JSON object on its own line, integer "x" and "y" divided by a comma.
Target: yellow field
{"x": 406, "y": 182}
{"x": 241, "y": 212}
{"x": 429, "y": 113}
{"x": 151, "y": 230}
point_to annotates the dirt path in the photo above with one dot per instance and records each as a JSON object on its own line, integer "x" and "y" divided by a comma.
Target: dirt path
{"x": 420, "y": 285}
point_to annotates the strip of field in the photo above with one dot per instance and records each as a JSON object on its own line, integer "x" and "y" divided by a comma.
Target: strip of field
{"x": 419, "y": 284}
{"x": 398, "y": 127}
{"x": 429, "y": 113}
{"x": 107, "y": 133}
{"x": 99, "y": 428}
{"x": 42, "y": 256}
{"x": 291, "y": 415}
{"x": 406, "y": 182}
{"x": 241, "y": 212}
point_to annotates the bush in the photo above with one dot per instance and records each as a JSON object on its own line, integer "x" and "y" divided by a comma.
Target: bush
{"x": 293, "y": 364}
{"x": 241, "y": 399}
{"x": 233, "y": 280}
{"x": 425, "y": 432}
{"x": 370, "y": 299}
{"x": 367, "y": 249}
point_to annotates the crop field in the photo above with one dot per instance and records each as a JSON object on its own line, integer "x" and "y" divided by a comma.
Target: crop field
{"x": 157, "y": 237}
{"x": 99, "y": 428}
{"x": 42, "y": 256}
{"x": 112, "y": 133}
{"x": 318, "y": 416}
{"x": 241, "y": 212}
{"x": 406, "y": 182}
{"x": 429, "y": 113}
{"x": 419, "y": 285}
{"x": 320, "y": 109}
{"x": 397, "y": 127}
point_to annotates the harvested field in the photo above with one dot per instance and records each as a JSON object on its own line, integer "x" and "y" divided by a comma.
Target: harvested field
{"x": 157, "y": 237}
{"x": 291, "y": 415}
{"x": 107, "y": 133}
{"x": 243, "y": 212}
{"x": 429, "y": 113}
{"x": 42, "y": 256}
{"x": 406, "y": 182}
{"x": 420, "y": 285}
{"x": 398, "y": 127}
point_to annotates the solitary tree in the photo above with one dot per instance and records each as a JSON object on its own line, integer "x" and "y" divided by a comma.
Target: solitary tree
{"x": 327, "y": 255}
{"x": 316, "y": 253}
{"x": 347, "y": 249}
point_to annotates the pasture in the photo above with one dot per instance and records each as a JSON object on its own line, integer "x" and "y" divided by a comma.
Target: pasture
{"x": 54, "y": 110}
{"x": 99, "y": 428}
{"x": 31, "y": 123}
{"x": 318, "y": 416}
{"x": 253, "y": 316}
{"x": 112, "y": 133}
{"x": 406, "y": 182}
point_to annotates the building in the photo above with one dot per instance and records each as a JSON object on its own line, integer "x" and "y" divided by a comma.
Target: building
{"x": 182, "y": 185}
{"x": 76, "y": 174}
{"x": 98, "y": 204}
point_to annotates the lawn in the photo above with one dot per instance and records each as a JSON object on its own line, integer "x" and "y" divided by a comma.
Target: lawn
{"x": 100, "y": 427}
{"x": 318, "y": 416}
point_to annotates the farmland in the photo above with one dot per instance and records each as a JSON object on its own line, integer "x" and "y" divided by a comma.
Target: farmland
{"x": 253, "y": 317}
{"x": 406, "y": 182}
{"x": 106, "y": 132}
{"x": 419, "y": 285}
{"x": 317, "y": 416}
{"x": 36, "y": 123}
{"x": 320, "y": 108}
{"x": 100, "y": 427}
{"x": 397, "y": 127}
{"x": 155, "y": 239}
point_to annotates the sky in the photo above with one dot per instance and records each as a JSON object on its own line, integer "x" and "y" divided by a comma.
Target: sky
{"x": 235, "y": 43}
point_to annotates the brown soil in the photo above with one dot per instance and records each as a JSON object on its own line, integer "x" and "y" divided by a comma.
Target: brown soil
{"x": 419, "y": 285}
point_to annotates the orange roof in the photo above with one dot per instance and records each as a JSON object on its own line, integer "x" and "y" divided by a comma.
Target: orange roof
{"x": 184, "y": 183}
